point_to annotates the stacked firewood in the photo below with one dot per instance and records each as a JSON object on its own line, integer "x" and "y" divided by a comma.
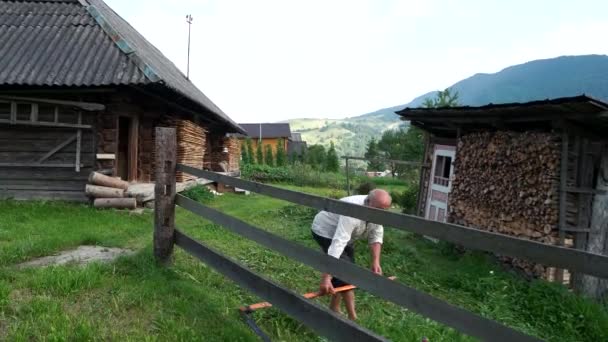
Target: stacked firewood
{"x": 508, "y": 182}
{"x": 190, "y": 145}
{"x": 109, "y": 192}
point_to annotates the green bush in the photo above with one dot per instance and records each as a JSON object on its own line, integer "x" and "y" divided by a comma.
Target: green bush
{"x": 264, "y": 173}
{"x": 199, "y": 193}
{"x": 406, "y": 199}
{"x": 365, "y": 187}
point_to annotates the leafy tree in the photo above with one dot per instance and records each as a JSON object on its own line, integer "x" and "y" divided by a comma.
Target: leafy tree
{"x": 373, "y": 152}
{"x": 244, "y": 155}
{"x": 402, "y": 144}
{"x": 316, "y": 156}
{"x": 259, "y": 154}
{"x": 249, "y": 149}
{"x": 446, "y": 98}
{"x": 268, "y": 157}
{"x": 281, "y": 157}
{"x": 332, "y": 163}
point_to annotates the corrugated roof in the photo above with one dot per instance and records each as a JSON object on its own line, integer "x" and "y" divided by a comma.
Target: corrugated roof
{"x": 268, "y": 130}
{"x": 296, "y": 136}
{"x": 582, "y": 110}
{"x": 84, "y": 43}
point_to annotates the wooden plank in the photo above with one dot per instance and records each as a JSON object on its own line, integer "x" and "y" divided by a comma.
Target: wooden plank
{"x": 591, "y": 191}
{"x": 45, "y": 124}
{"x": 105, "y": 156}
{"x": 78, "y": 147}
{"x": 20, "y": 195}
{"x": 43, "y": 146}
{"x": 419, "y": 302}
{"x": 49, "y": 186}
{"x": 38, "y": 165}
{"x": 592, "y": 286}
{"x": 42, "y": 173}
{"x": 57, "y": 158}
{"x": 164, "y": 194}
{"x": 59, "y": 147}
{"x": 559, "y": 274}
{"x": 467, "y": 237}
{"x": 10, "y": 133}
{"x": 398, "y": 162}
{"x": 13, "y": 118}
{"x": 88, "y": 106}
{"x": 324, "y": 322}
{"x": 34, "y": 114}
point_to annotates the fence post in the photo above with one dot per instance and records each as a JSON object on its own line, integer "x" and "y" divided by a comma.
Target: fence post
{"x": 347, "y": 178}
{"x": 164, "y": 194}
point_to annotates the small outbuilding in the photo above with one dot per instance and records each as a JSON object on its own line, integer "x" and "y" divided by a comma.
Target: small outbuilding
{"x": 81, "y": 90}
{"x": 536, "y": 170}
{"x": 267, "y": 134}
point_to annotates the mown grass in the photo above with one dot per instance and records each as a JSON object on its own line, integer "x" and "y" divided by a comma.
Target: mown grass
{"x": 133, "y": 299}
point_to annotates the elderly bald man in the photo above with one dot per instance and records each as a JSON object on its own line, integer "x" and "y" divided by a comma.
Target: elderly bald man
{"x": 336, "y": 235}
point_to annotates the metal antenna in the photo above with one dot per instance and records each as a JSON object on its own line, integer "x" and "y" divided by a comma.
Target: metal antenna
{"x": 189, "y": 21}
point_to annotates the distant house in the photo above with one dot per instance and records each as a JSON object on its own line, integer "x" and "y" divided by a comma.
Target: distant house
{"x": 537, "y": 170}
{"x": 82, "y": 90}
{"x": 267, "y": 134}
{"x": 296, "y": 145}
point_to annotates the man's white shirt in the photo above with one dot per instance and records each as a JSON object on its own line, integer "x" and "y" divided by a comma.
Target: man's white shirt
{"x": 344, "y": 230}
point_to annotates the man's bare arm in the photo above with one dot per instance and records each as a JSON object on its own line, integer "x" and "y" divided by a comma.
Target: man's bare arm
{"x": 375, "y": 250}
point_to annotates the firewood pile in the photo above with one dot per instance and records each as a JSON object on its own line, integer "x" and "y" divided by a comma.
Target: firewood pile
{"x": 109, "y": 192}
{"x": 190, "y": 145}
{"x": 508, "y": 182}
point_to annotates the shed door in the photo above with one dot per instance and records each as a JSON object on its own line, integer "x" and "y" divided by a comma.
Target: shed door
{"x": 442, "y": 171}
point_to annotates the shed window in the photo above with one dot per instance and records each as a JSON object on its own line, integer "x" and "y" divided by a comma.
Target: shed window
{"x": 443, "y": 166}
{"x": 24, "y": 112}
{"x": 46, "y": 113}
{"x": 5, "y": 111}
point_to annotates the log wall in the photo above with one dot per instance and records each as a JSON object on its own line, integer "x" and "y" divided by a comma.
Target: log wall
{"x": 508, "y": 182}
{"x": 24, "y": 144}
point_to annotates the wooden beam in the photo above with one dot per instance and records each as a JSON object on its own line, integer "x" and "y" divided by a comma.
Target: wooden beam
{"x": 13, "y": 118}
{"x": 164, "y": 194}
{"x": 473, "y": 238}
{"x": 596, "y": 243}
{"x": 559, "y": 276}
{"x": 398, "y": 162}
{"x": 44, "y": 124}
{"x": 78, "y": 142}
{"x": 38, "y": 165}
{"x": 589, "y": 191}
{"x": 58, "y": 148}
{"x": 88, "y": 106}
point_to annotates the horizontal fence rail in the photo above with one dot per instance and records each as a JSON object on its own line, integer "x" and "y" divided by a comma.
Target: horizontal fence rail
{"x": 388, "y": 161}
{"x": 314, "y": 316}
{"x": 549, "y": 255}
{"x": 419, "y": 302}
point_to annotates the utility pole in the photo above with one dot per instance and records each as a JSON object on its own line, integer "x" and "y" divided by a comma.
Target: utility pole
{"x": 189, "y": 21}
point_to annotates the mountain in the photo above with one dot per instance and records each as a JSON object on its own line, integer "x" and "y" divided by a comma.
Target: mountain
{"x": 535, "y": 80}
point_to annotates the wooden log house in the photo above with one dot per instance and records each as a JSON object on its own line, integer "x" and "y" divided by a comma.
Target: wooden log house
{"x": 536, "y": 170}
{"x": 82, "y": 90}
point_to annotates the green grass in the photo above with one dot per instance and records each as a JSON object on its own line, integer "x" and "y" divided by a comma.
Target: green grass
{"x": 133, "y": 299}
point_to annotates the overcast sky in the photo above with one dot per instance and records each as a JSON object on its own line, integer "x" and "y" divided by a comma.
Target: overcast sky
{"x": 275, "y": 60}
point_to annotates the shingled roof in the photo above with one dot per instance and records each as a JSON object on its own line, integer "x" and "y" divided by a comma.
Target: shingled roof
{"x": 84, "y": 43}
{"x": 268, "y": 130}
{"x": 584, "y": 111}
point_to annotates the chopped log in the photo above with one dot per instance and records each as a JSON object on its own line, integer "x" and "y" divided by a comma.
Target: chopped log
{"x": 508, "y": 182}
{"x": 116, "y": 203}
{"x": 97, "y": 191}
{"x": 97, "y": 178}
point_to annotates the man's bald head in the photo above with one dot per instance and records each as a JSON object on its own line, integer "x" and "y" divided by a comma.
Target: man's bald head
{"x": 379, "y": 198}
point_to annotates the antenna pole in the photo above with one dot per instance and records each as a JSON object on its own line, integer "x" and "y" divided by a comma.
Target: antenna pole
{"x": 189, "y": 21}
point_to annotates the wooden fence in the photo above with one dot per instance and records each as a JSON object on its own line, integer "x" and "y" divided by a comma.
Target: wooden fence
{"x": 321, "y": 320}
